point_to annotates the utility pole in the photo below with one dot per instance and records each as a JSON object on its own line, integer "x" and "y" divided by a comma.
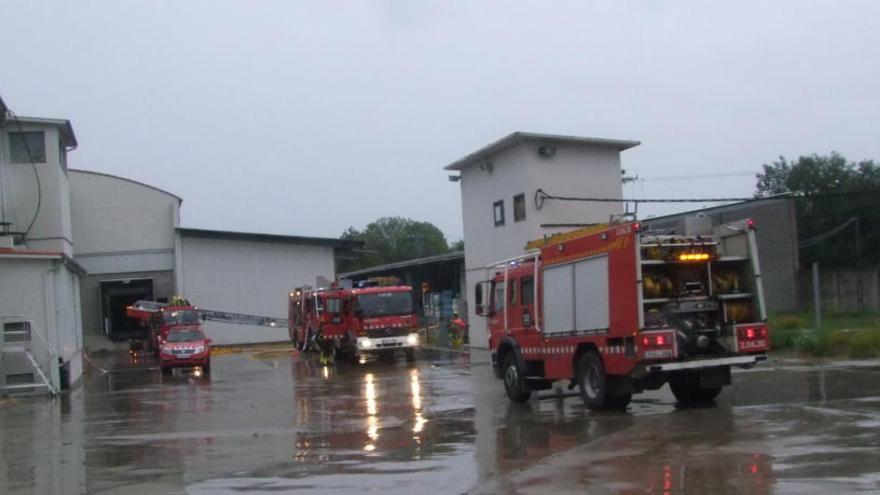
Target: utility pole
{"x": 817, "y": 300}
{"x": 860, "y": 293}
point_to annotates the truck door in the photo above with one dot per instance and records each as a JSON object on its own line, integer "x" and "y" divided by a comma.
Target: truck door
{"x": 514, "y": 309}
{"x": 497, "y": 306}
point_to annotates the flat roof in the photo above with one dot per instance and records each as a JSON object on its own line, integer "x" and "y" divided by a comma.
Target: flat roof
{"x": 273, "y": 238}
{"x": 518, "y": 137}
{"x": 437, "y": 258}
{"x": 63, "y": 125}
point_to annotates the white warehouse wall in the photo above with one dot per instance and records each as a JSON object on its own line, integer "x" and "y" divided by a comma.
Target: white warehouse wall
{"x": 247, "y": 276}
{"x": 576, "y": 169}
{"x": 114, "y": 215}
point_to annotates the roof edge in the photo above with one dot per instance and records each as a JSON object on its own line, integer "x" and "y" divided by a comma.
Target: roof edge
{"x": 104, "y": 174}
{"x": 520, "y": 136}
{"x": 66, "y": 128}
{"x": 260, "y": 237}
{"x": 452, "y": 255}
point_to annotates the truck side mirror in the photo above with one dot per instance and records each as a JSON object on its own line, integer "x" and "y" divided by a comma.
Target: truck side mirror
{"x": 479, "y": 310}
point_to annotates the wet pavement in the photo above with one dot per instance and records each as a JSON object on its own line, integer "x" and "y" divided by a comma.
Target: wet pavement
{"x": 272, "y": 422}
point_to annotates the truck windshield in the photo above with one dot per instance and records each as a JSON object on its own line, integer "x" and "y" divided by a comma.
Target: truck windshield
{"x": 182, "y": 317}
{"x": 190, "y": 336}
{"x": 385, "y": 303}
{"x": 333, "y": 306}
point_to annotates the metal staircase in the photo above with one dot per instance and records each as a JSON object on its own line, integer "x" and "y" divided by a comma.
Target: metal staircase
{"x": 25, "y": 363}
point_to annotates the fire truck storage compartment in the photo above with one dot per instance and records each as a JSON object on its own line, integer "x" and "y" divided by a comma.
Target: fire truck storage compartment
{"x": 576, "y": 296}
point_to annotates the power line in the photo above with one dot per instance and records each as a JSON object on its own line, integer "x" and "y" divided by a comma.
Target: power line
{"x": 30, "y": 156}
{"x": 670, "y": 178}
{"x": 828, "y": 234}
{"x": 541, "y": 196}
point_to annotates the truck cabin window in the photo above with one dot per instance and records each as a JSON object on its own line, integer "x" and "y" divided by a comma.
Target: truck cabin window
{"x": 182, "y": 317}
{"x": 498, "y": 297}
{"x": 334, "y": 306}
{"x": 528, "y": 290}
{"x": 385, "y": 304}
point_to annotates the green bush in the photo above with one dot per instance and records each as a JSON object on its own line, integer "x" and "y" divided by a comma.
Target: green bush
{"x": 843, "y": 334}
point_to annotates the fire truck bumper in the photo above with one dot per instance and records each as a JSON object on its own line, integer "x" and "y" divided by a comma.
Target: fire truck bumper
{"x": 708, "y": 363}
{"x": 366, "y": 344}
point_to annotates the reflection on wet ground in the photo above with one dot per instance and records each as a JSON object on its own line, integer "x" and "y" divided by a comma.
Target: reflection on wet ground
{"x": 272, "y": 422}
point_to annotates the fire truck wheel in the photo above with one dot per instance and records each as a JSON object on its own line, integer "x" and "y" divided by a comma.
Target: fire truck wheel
{"x": 594, "y": 385}
{"x": 166, "y": 370}
{"x": 514, "y": 384}
{"x": 410, "y": 355}
{"x": 690, "y": 392}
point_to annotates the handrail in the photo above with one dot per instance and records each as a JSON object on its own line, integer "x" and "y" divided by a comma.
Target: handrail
{"x": 38, "y": 367}
{"x": 34, "y": 329}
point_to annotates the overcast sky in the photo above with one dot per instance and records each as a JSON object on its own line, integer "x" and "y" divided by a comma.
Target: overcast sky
{"x": 306, "y": 118}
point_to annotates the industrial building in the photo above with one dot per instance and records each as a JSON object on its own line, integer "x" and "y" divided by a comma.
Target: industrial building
{"x": 77, "y": 247}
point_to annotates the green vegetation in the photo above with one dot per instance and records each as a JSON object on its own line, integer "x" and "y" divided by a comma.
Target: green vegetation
{"x": 393, "y": 239}
{"x": 855, "y": 335}
{"x": 836, "y": 206}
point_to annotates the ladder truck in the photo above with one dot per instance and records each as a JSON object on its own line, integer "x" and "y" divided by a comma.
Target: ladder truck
{"x": 616, "y": 310}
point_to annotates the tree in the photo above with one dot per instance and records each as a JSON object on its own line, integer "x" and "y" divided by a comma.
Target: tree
{"x": 830, "y": 194}
{"x": 457, "y": 245}
{"x": 393, "y": 239}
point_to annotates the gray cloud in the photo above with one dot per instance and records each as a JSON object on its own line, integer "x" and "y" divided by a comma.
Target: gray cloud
{"x": 306, "y": 118}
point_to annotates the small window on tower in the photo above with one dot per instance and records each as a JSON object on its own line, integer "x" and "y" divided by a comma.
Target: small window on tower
{"x": 27, "y": 147}
{"x": 498, "y": 210}
{"x": 519, "y": 207}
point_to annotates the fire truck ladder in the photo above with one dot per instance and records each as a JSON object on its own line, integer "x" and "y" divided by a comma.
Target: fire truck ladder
{"x": 242, "y": 319}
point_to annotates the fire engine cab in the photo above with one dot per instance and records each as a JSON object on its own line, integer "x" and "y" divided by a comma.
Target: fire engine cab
{"x": 616, "y": 311}
{"x": 370, "y": 317}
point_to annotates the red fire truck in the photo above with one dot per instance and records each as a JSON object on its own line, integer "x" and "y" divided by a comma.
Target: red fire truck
{"x": 617, "y": 311}
{"x": 159, "y": 319}
{"x": 373, "y": 316}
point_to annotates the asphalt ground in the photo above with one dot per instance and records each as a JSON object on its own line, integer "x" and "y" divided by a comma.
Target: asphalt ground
{"x": 270, "y": 421}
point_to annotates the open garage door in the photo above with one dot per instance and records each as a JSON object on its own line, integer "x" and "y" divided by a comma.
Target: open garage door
{"x": 115, "y": 296}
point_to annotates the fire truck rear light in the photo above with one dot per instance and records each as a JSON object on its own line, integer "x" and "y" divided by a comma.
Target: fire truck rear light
{"x": 750, "y": 333}
{"x": 656, "y": 340}
{"x": 751, "y": 224}
{"x": 637, "y": 226}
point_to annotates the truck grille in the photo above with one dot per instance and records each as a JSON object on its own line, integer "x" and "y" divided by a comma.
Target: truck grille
{"x": 378, "y": 333}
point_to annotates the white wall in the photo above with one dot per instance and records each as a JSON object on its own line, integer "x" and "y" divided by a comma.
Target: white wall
{"x": 47, "y": 293}
{"x": 113, "y": 215}
{"x": 251, "y": 277}
{"x": 22, "y": 197}
{"x": 575, "y": 170}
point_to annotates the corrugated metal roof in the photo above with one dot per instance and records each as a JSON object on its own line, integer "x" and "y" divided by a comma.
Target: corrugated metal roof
{"x": 274, "y": 238}
{"x": 454, "y": 255}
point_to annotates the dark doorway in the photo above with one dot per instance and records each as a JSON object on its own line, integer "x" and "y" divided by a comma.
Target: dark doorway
{"x": 115, "y": 296}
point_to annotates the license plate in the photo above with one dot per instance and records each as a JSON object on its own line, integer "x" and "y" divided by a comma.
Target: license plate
{"x": 658, "y": 354}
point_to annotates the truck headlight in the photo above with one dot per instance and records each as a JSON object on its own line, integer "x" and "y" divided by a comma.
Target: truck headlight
{"x": 199, "y": 349}
{"x": 365, "y": 343}
{"x": 412, "y": 339}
